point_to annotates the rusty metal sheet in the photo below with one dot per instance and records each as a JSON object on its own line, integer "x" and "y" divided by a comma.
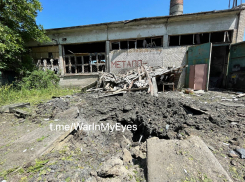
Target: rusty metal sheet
{"x": 200, "y": 80}
{"x": 236, "y": 67}
{"x": 200, "y": 54}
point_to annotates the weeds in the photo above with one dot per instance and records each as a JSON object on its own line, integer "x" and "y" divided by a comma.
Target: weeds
{"x": 41, "y": 139}
{"x": 9, "y": 94}
{"x": 37, "y": 87}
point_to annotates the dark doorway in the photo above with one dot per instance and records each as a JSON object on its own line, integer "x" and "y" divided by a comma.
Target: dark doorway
{"x": 218, "y": 67}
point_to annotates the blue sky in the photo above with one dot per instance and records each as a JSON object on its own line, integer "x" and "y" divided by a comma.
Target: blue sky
{"x": 66, "y": 13}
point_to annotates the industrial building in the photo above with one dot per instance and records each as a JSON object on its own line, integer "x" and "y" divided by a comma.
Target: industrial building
{"x": 79, "y": 53}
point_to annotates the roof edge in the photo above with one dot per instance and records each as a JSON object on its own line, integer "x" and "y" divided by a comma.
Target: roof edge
{"x": 148, "y": 18}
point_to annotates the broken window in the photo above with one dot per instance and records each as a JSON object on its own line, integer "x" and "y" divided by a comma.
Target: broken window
{"x": 186, "y": 39}
{"x": 132, "y": 44}
{"x": 217, "y": 37}
{"x": 79, "y": 60}
{"x": 56, "y": 62}
{"x": 228, "y": 36}
{"x": 73, "y": 60}
{"x": 149, "y": 42}
{"x": 201, "y": 38}
{"x": 157, "y": 42}
{"x": 124, "y": 44}
{"x": 174, "y": 40}
{"x": 73, "y": 69}
{"x": 84, "y": 64}
{"x": 50, "y": 55}
{"x": 86, "y": 59}
{"x": 115, "y": 45}
{"x": 140, "y": 43}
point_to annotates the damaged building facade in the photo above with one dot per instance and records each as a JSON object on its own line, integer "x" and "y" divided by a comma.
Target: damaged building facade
{"x": 80, "y": 53}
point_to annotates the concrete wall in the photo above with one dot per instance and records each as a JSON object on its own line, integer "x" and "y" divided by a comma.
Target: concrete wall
{"x": 241, "y": 26}
{"x": 124, "y": 60}
{"x": 202, "y": 25}
{"x": 78, "y": 80}
{"x": 138, "y": 31}
{"x": 42, "y": 52}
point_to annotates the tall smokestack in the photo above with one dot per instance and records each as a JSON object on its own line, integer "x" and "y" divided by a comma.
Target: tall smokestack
{"x": 176, "y": 7}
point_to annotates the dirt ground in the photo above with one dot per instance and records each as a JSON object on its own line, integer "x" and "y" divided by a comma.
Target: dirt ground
{"x": 218, "y": 118}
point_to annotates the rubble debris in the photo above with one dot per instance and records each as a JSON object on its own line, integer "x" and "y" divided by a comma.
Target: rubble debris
{"x": 233, "y": 154}
{"x": 241, "y": 152}
{"x": 114, "y": 169}
{"x": 141, "y": 78}
{"x": 189, "y": 91}
{"x": 51, "y": 108}
{"x": 20, "y": 113}
{"x": 114, "y": 94}
{"x": 241, "y": 95}
{"x": 241, "y": 115}
{"x": 8, "y": 108}
{"x": 232, "y": 104}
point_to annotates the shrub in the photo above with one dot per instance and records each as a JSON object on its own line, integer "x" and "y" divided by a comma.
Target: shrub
{"x": 39, "y": 79}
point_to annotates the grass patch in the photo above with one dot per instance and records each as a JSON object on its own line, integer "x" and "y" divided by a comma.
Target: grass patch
{"x": 41, "y": 139}
{"x": 37, "y": 167}
{"x": 9, "y": 94}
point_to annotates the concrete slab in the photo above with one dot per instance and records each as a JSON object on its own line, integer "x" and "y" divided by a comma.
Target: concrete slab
{"x": 180, "y": 160}
{"x": 78, "y": 80}
{"x": 23, "y": 142}
{"x": 8, "y": 108}
{"x": 231, "y": 104}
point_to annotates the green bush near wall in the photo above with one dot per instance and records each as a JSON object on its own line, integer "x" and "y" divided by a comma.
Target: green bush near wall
{"x": 39, "y": 86}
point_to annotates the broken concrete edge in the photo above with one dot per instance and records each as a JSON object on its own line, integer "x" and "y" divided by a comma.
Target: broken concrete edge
{"x": 8, "y": 108}
{"x": 91, "y": 85}
{"x": 20, "y": 113}
{"x": 48, "y": 149}
{"x": 57, "y": 142}
{"x": 151, "y": 177}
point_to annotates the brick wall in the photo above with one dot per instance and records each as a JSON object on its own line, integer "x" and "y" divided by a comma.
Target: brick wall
{"x": 241, "y": 26}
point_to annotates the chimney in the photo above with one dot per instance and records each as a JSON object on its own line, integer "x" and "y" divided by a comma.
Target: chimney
{"x": 176, "y": 7}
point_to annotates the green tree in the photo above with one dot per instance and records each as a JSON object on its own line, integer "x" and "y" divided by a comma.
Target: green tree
{"x": 18, "y": 26}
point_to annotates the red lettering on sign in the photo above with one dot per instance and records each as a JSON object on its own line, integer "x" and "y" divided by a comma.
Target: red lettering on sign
{"x": 126, "y": 64}
{"x": 118, "y": 64}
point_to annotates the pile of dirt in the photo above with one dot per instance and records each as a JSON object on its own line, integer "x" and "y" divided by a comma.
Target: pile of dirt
{"x": 52, "y": 107}
{"x": 161, "y": 116}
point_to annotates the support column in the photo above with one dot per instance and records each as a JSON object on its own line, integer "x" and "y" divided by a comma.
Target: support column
{"x": 241, "y": 26}
{"x": 61, "y": 61}
{"x": 107, "y": 58}
{"x": 165, "y": 41}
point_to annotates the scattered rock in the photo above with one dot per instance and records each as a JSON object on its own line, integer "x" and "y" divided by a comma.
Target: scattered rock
{"x": 127, "y": 158}
{"x": 241, "y": 151}
{"x": 233, "y": 154}
{"x": 113, "y": 168}
{"x": 234, "y": 163}
{"x": 127, "y": 108}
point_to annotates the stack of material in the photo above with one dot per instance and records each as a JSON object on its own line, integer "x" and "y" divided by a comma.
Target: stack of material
{"x": 141, "y": 78}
